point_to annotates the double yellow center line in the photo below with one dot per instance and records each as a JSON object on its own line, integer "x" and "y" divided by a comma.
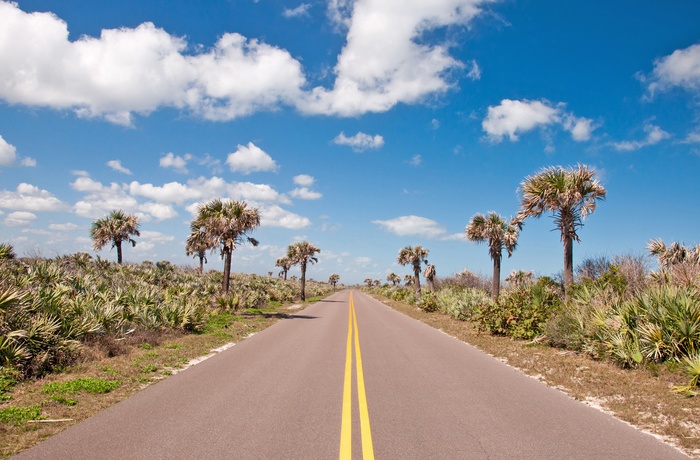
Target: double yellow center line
{"x": 346, "y": 426}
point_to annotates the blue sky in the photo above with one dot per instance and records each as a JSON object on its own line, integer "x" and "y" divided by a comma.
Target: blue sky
{"x": 361, "y": 126}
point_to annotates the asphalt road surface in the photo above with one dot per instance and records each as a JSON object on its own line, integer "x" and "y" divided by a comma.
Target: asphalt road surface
{"x": 297, "y": 390}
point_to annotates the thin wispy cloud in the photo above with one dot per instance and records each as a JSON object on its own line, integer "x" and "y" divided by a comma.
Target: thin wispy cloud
{"x": 117, "y": 166}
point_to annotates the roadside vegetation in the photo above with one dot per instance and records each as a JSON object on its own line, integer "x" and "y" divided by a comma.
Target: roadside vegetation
{"x": 78, "y": 334}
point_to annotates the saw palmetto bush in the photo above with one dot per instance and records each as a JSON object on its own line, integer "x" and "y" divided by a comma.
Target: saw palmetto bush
{"x": 461, "y": 303}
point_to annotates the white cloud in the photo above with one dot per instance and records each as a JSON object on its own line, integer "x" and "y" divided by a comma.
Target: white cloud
{"x": 301, "y": 10}
{"x": 692, "y": 138}
{"x": 416, "y": 160}
{"x": 138, "y": 70}
{"x": 654, "y": 135}
{"x": 250, "y": 158}
{"x": 512, "y": 118}
{"x": 275, "y": 216}
{"x": 134, "y": 71}
{"x": 303, "y": 193}
{"x": 67, "y": 227}
{"x": 8, "y": 153}
{"x": 475, "y": 71}
{"x": 413, "y": 226}
{"x": 304, "y": 180}
{"x": 178, "y": 163}
{"x": 581, "y": 129}
{"x": 159, "y": 211}
{"x": 28, "y": 162}
{"x": 372, "y": 78}
{"x": 30, "y": 198}
{"x": 19, "y": 219}
{"x": 100, "y": 200}
{"x": 679, "y": 69}
{"x": 360, "y": 141}
{"x": 117, "y": 166}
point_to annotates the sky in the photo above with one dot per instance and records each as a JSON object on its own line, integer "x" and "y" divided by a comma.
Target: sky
{"x": 361, "y": 126}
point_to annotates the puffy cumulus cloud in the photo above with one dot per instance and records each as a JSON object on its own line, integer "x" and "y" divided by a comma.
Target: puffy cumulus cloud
{"x": 250, "y": 158}
{"x": 413, "y": 226}
{"x": 158, "y": 210}
{"x": 117, "y": 166}
{"x": 8, "y": 153}
{"x": 19, "y": 219}
{"x": 176, "y": 162}
{"x": 404, "y": 69}
{"x": 304, "y": 180}
{"x": 679, "y": 69}
{"x": 511, "y": 118}
{"x": 304, "y": 193}
{"x": 138, "y": 70}
{"x": 654, "y": 135}
{"x": 100, "y": 200}
{"x": 29, "y": 197}
{"x": 275, "y": 216}
{"x": 360, "y": 141}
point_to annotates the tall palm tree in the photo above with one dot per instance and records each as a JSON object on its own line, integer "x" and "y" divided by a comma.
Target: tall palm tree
{"x": 333, "y": 280}
{"x": 285, "y": 264}
{"x": 393, "y": 278}
{"x": 226, "y": 224}
{"x": 197, "y": 245}
{"x": 570, "y": 195}
{"x": 414, "y": 255}
{"x": 302, "y": 253}
{"x": 369, "y": 281}
{"x": 429, "y": 274}
{"x": 115, "y": 228}
{"x": 498, "y": 234}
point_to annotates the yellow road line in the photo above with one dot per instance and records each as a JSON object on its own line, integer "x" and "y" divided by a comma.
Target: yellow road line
{"x": 346, "y": 426}
{"x": 367, "y": 448}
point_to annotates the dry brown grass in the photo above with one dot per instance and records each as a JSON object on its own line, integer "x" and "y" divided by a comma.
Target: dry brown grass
{"x": 138, "y": 363}
{"x": 641, "y": 397}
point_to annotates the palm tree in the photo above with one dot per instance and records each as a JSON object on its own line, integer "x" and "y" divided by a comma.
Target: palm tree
{"x": 197, "y": 245}
{"x": 226, "y": 224}
{"x": 7, "y": 252}
{"x": 285, "y": 264}
{"x": 368, "y": 282}
{"x": 333, "y": 280}
{"x": 499, "y": 234}
{"x": 393, "y": 278}
{"x": 302, "y": 253}
{"x": 570, "y": 195}
{"x": 408, "y": 280}
{"x": 115, "y": 228}
{"x": 429, "y": 274}
{"x": 414, "y": 256}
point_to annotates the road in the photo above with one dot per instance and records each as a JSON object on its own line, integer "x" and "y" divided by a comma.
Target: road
{"x": 297, "y": 390}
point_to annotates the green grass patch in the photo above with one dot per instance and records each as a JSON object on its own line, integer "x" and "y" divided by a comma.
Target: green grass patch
{"x": 19, "y": 415}
{"x": 173, "y": 346}
{"x": 88, "y": 385}
{"x": 149, "y": 368}
{"x": 63, "y": 400}
{"x": 7, "y": 383}
{"x": 219, "y": 321}
{"x": 275, "y": 304}
{"x": 146, "y": 346}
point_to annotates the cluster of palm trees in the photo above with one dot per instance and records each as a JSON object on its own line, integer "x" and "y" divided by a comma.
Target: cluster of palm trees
{"x": 569, "y": 194}
{"x": 219, "y": 224}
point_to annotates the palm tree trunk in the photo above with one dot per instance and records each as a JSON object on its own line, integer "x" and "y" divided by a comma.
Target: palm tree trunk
{"x": 303, "y": 281}
{"x": 496, "y": 282}
{"x": 118, "y": 244}
{"x": 568, "y": 262}
{"x": 201, "y": 263}
{"x": 285, "y": 274}
{"x": 227, "y": 270}
{"x": 416, "y": 280}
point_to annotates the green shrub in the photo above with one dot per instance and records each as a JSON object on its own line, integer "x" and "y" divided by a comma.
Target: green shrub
{"x": 19, "y": 415}
{"x": 88, "y": 385}
{"x": 461, "y": 302}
